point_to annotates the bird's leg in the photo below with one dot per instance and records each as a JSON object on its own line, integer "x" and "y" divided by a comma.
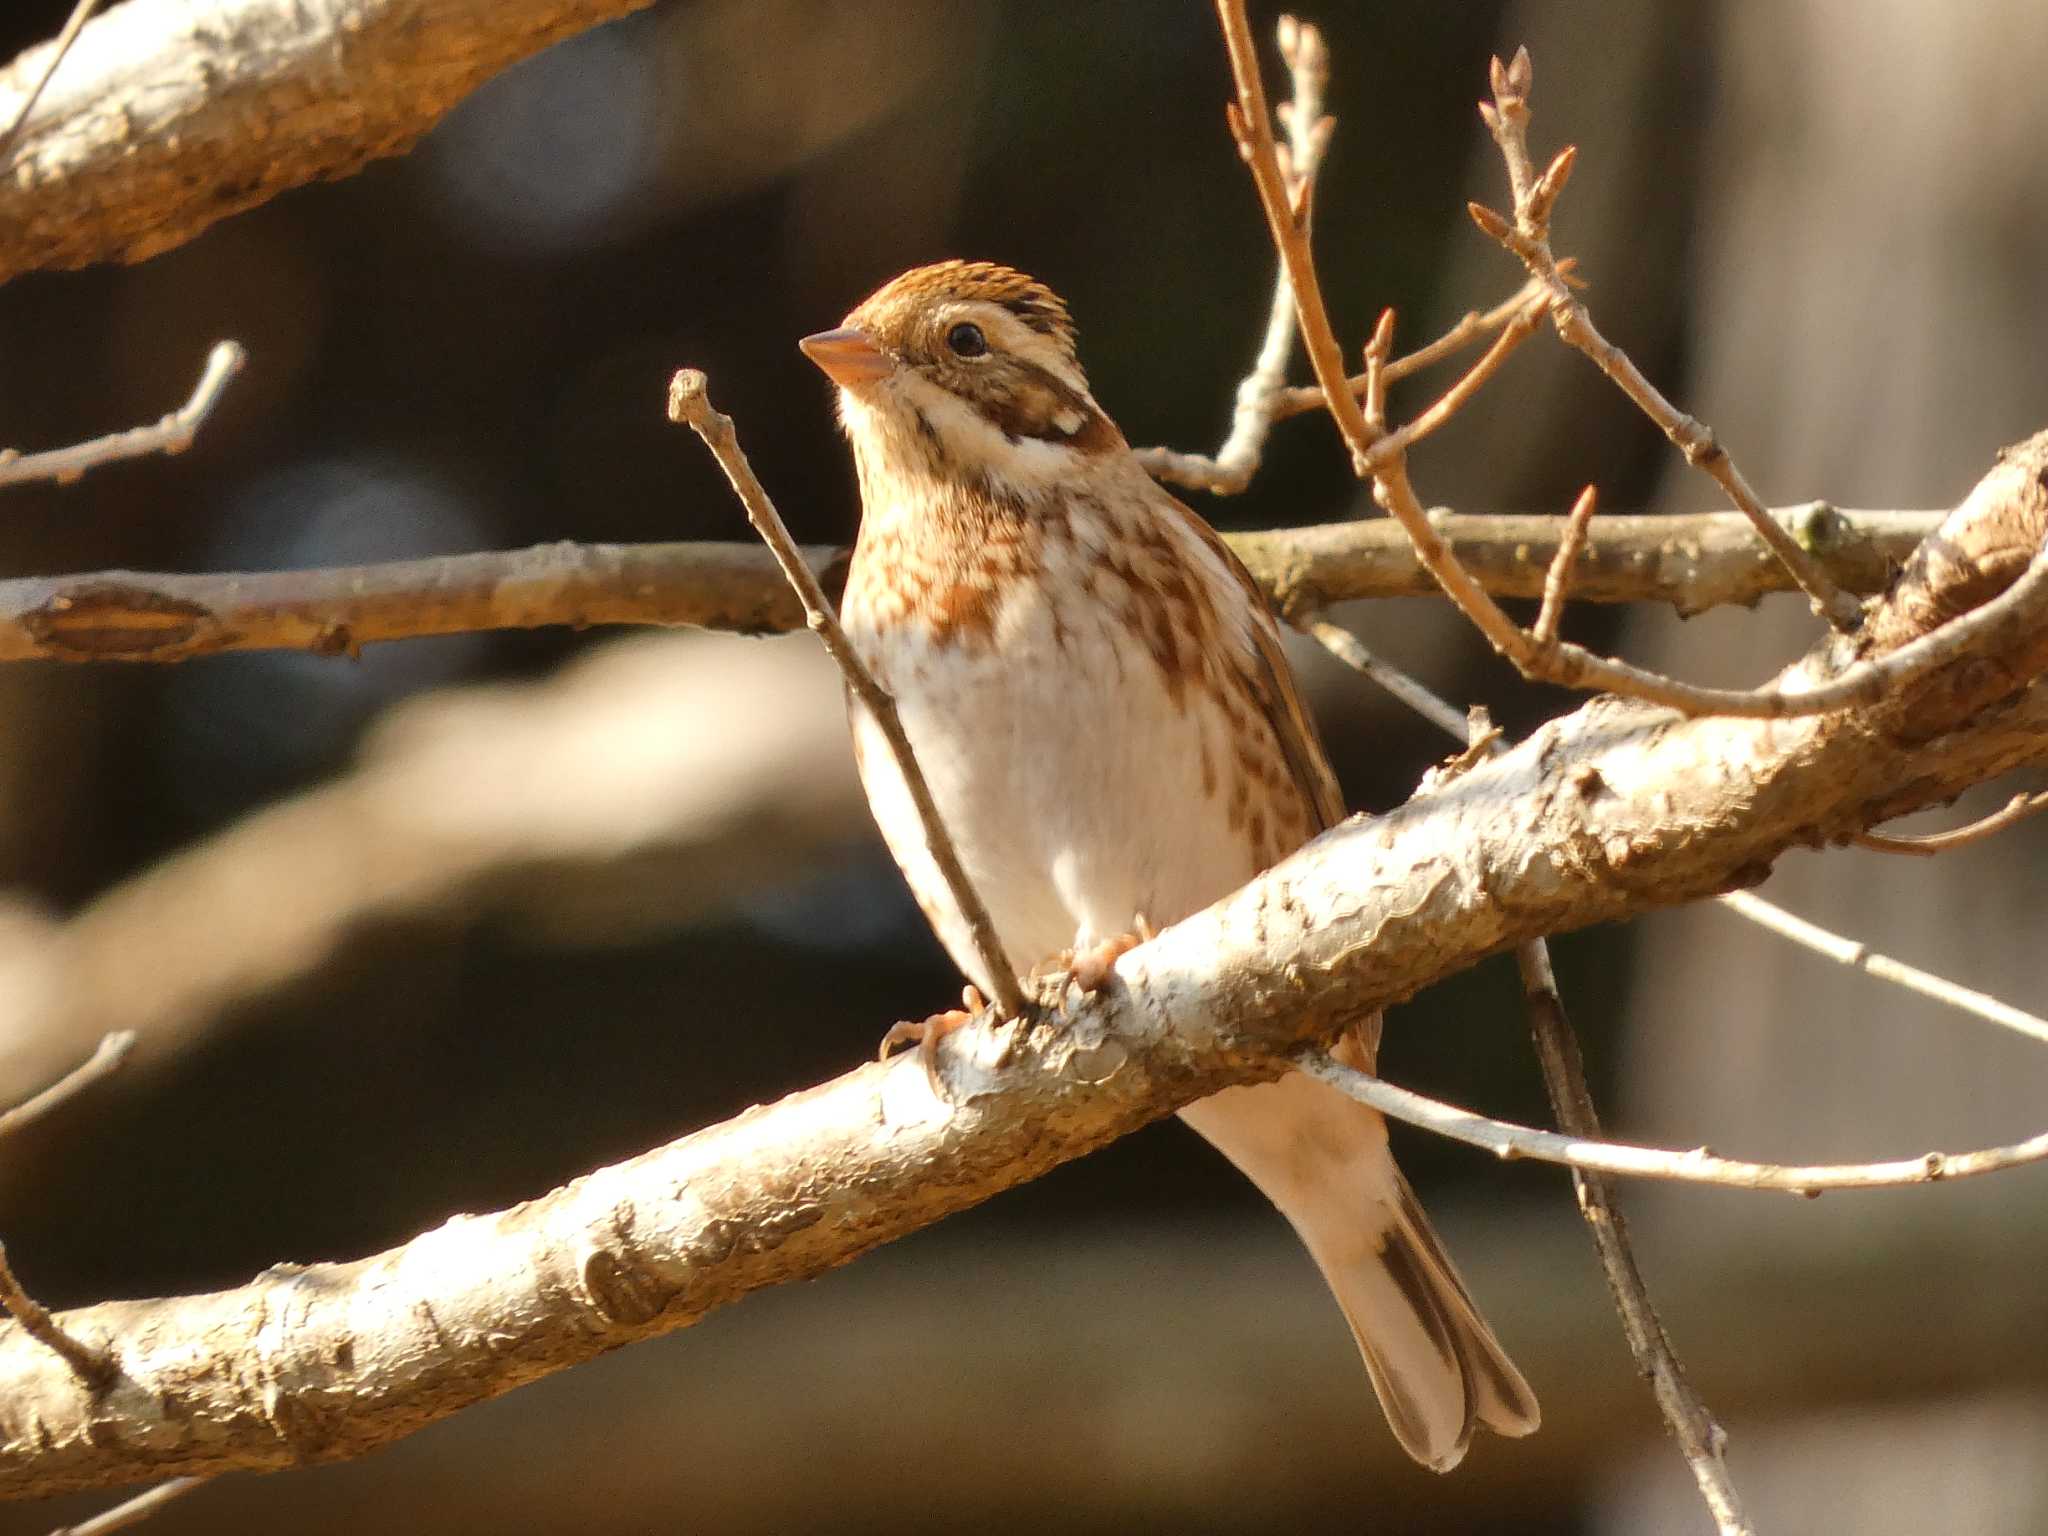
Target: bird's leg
{"x": 1089, "y": 967}
{"x": 927, "y": 1033}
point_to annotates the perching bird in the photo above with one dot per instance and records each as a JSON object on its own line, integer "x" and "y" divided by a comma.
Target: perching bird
{"x": 1097, "y": 695}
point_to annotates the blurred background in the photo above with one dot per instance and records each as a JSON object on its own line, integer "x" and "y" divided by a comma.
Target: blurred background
{"x": 437, "y": 929}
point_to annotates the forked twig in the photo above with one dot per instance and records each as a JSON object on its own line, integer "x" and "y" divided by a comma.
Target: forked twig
{"x": 1557, "y": 661}
{"x": 690, "y": 404}
{"x": 170, "y": 434}
{"x": 1260, "y": 392}
{"x": 1528, "y": 238}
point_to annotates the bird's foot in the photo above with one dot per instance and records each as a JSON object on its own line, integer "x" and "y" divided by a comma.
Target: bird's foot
{"x": 1090, "y": 968}
{"x": 926, "y": 1034}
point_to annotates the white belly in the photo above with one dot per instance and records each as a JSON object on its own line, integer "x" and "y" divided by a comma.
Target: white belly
{"x": 1072, "y": 783}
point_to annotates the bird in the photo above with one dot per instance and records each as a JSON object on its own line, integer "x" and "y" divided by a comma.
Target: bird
{"x": 1096, "y": 694}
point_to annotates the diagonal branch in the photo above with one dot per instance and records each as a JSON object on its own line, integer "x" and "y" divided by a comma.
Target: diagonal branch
{"x": 689, "y": 402}
{"x": 1599, "y": 816}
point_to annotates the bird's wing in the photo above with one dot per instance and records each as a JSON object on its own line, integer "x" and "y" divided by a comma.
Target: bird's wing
{"x": 1272, "y": 683}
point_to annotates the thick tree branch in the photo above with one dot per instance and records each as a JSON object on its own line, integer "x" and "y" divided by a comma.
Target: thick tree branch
{"x": 166, "y": 117}
{"x": 1693, "y": 562}
{"x": 1600, "y": 815}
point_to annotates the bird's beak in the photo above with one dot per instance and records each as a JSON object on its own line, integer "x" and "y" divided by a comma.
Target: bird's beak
{"x": 848, "y": 357}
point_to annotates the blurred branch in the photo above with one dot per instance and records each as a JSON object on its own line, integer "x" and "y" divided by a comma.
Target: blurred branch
{"x": 166, "y": 119}
{"x": 1260, "y": 394}
{"x": 172, "y": 434}
{"x": 132, "y": 1511}
{"x": 1692, "y": 561}
{"x": 647, "y": 783}
{"x": 1601, "y": 814}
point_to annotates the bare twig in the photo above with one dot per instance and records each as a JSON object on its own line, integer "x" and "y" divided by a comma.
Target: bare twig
{"x": 106, "y": 1056}
{"x": 1528, "y": 237}
{"x": 2018, "y": 809}
{"x": 172, "y": 434}
{"x": 1701, "y": 1440}
{"x": 690, "y": 404}
{"x": 81, "y": 13}
{"x": 132, "y": 1511}
{"x": 93, "y": 1366}
{"x": 1558, "y": 581}
{"x": 1308, "y": 133}
{"x": 1700, "y": 1437}
{"x": 1469, "y": 328}
{"x": 1515, "y": 1143}
{"x": 1861, "y": 957}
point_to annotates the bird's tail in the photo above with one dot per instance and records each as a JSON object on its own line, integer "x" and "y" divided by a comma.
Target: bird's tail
{"x": 1323, "y": 1159}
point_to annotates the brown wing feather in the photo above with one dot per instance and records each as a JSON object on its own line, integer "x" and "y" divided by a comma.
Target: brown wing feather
{"x": 1272, "y": 683}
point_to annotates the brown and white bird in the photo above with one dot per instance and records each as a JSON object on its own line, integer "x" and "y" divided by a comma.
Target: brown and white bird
{"x": 1018, "y": 580}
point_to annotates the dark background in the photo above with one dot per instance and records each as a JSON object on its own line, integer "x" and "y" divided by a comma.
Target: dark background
{"x": 467, "y": 348}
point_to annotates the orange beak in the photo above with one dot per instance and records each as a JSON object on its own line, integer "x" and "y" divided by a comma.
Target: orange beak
{"x": 848, "y": 357}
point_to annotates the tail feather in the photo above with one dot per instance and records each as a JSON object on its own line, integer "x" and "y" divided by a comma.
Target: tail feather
{"x": 1323, "y": 1160}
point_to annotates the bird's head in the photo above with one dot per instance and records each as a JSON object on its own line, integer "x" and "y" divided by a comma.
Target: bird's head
{"x": 962, "y": 369}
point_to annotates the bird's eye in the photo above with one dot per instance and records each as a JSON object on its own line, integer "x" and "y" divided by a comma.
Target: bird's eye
{"x": 967, "y": 341}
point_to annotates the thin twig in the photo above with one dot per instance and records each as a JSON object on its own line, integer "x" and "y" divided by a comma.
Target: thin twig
{"x": 1700, "y": 1437}
{"x": 1528, "y": 237}
{"x": 1308, "y": 133}
{"x": 1701, "y": 1165}
{"x": 2017, "y": 810}
{"x": 133, "y": 1511}
{"x": 690, "y": 404}
{"x": 106, "y": 1056}
{"x": 1558, "y": 581}
{"x": 1701, "y": 1440}
{"x": 172, "y": 434}
{"x": 1862, "y": 957}
{"x": 74, "y": 24}
{"x": 94, "y": 1366}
